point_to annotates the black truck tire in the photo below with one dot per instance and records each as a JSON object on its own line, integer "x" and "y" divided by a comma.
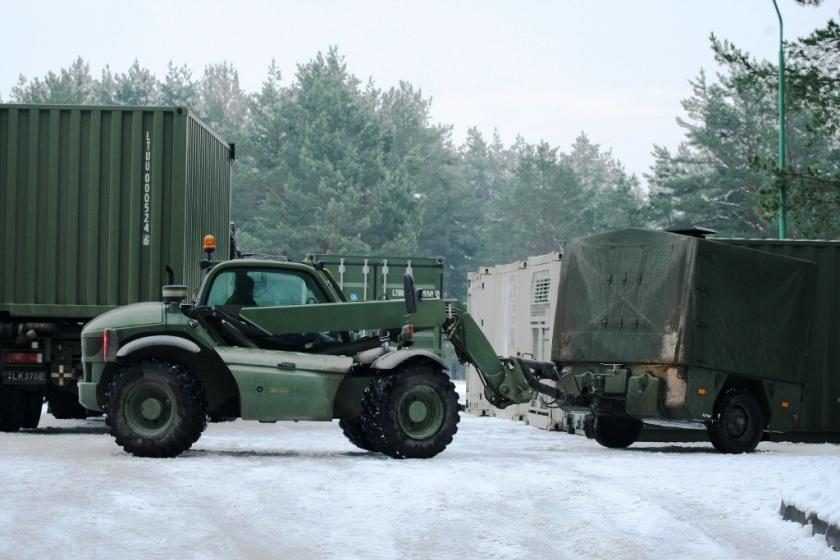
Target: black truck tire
{"x": 738, "y": 422}
{"x": 616, "y": 431}
{"x": 354, "y": 431}
{"x": 33, "y": 402}
{"x": 156, "y": 408}
{"x": 11, "y": 410}
{"x": 412, "y": 413}
{"x": 65, "y": 406}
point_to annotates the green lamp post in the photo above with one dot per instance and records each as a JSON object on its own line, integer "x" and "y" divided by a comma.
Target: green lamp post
{"x": 781, "y": 160}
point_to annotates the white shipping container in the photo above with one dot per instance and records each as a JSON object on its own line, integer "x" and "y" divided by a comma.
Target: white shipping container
{"x": 514, "y": 304}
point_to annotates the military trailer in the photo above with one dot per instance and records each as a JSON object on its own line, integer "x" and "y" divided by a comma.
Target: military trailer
{"x": 734, "y": 336}
{"x": 95, "y": 204}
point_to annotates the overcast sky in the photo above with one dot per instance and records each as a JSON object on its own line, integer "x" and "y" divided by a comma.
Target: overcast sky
{"x": 616, "y": 69}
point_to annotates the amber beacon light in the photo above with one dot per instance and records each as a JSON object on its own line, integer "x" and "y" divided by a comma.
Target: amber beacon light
{"x": 209, "y": 243}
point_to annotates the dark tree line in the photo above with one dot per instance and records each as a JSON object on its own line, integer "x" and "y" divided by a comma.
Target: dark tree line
{"x": 329, "y": 163}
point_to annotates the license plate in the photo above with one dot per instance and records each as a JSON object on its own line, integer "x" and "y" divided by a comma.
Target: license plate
{"x": 24, "y": 377}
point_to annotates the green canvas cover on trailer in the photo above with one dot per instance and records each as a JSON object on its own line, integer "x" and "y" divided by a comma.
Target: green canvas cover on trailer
{"x": 646, "y": 297}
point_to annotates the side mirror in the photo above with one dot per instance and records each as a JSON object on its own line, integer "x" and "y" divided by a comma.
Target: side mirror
{"x": 174, "y": 293}
{"x": 409, "y": 294}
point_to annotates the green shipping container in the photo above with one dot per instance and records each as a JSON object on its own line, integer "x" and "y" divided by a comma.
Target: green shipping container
{"x": 95, "y": 202}
{"x": 821, "y": 362}
{"x": 369, "y": 278}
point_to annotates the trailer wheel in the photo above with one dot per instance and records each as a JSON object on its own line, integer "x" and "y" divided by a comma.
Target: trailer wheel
{"x": 33, "y": 401}
{"x": 411, "y": 414}
{"x": 616, "y": 432}
{"x": 156, "y": 408}
{"x": 355, "y": 432}
{"x": 11, "y": 410}
{"x": 65, "y": 406}
{"x": 738, "y": 422}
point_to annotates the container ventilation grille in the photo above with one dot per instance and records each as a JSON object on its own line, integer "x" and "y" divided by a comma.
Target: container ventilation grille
{"x": 542, "y": 287}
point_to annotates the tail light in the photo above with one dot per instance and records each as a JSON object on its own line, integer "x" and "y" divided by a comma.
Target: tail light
{"x": 407, "y": 334}
{"x": 23, "y": 358}
{"x": 108, "y": 339}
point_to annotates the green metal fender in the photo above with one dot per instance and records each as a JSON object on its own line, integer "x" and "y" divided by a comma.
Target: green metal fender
{"x": 158, "y": 341}
{"x": 392, "y": 360}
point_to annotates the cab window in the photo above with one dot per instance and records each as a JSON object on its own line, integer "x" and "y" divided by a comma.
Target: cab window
{"x": 264, "y": 288}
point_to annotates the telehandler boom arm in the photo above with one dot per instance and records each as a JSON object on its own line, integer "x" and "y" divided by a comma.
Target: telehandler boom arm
{"x": 507, "y": 380}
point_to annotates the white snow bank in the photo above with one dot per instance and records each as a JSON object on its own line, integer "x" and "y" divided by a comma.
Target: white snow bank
{"x": 818, "y": 494}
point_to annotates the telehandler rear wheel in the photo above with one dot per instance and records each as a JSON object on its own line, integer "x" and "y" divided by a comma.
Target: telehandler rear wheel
{"x": 156, "y": 408}
{"x": 738, "y": 422}
{"x": 617, "y": 432}
{"x": 411, "y": 414}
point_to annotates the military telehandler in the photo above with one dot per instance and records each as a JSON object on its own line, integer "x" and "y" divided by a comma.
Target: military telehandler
{"x": 275, "y": 340}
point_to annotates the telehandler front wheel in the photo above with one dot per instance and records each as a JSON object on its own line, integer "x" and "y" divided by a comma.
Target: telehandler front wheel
{"x": 616, "y": 432}
{"x": 738, "y": 422}
{"x": 156, "y": 408}
{"x": 411, "y": 414}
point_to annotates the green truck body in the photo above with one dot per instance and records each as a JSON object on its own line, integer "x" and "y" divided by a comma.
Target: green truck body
{"x": 663, "y": 327}
{"x": 95, "y": 203}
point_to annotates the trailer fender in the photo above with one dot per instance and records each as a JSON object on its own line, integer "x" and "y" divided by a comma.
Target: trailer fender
{"x": 158, "y": 340}
{"x": 392, "y": 360}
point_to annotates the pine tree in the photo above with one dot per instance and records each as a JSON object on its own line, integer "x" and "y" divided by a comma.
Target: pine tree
{"x": 73, "y": 85}
{"x": 137, "y": 87}
{"x": 178, "y": 88}
{"x": 222, "y": 103}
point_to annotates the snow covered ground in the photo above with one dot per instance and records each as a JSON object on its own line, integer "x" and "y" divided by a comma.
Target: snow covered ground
{"x": 299, "y": 491}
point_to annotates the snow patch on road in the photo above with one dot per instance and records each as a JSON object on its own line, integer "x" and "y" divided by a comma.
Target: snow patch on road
{"x": 501, "y": 490}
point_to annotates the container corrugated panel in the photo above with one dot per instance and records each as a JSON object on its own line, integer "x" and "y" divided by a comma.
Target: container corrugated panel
{"x": 96, "y": 201}
{"x": 821, "y": 410}
{"x": 370, "y": 278}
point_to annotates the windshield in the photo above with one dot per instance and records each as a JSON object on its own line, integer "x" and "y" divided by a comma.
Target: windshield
{"x": 264, "y": 288}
